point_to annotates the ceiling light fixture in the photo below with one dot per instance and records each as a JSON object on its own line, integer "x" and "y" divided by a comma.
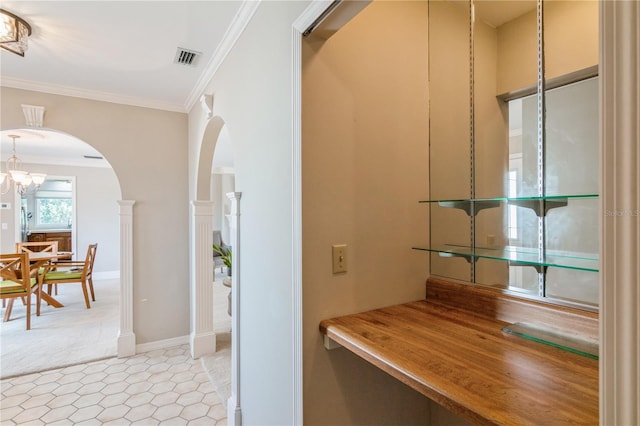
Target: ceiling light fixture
{"x": 14, "y": 32}
{"x": 21, "y": 178}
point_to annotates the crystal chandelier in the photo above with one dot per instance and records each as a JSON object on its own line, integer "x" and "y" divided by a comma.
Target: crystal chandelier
{"x": 14, "y": 32}
{"x": 22, "y": 179}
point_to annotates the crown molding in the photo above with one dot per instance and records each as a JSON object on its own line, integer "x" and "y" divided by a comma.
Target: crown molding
{"x": 69, "y": 162}
{"x": 231, "y": 36}
{"x": 95, "y": 95}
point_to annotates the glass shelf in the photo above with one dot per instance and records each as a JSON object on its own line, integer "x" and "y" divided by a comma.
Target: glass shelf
{"x": 519, "y": 256}
{"x": 539, "y": 204}
{"x": 555, "y": 339}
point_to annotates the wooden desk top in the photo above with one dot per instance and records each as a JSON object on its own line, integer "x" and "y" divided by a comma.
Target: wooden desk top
{"x": 465, "y": 363}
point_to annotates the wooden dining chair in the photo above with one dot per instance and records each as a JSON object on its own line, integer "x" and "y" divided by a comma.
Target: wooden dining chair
{"x": 17, "y": 283}
{"x": 72, "y": 272}
{"x": 38, "y": 246}
{"x": 35, "y": 246}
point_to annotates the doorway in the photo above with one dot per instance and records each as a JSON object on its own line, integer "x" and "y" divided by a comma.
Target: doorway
{"x": 66, "y": 207}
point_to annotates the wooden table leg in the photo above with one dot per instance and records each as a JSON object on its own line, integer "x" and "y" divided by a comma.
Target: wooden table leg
{"x": 50, "y": 300}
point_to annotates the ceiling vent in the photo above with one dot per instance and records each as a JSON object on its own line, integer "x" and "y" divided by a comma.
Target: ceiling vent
{"x": 187, "y": 57}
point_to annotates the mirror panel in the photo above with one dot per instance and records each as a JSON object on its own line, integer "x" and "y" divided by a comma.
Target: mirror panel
{"x": 570, "y": 30}
{"x": 505, "y": 58}
{"x": 449, "y": 130}
{"x": 570, "y": 36}
{"x": 449, "y": 113}
{"x": 502, "y": 145}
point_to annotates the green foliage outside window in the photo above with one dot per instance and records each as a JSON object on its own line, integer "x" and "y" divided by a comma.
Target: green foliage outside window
{"x": 54, "y": 211}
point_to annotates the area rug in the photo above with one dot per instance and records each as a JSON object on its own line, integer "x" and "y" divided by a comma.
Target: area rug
{"x": 218, "y": 367}
{"x": 61, "y": 337}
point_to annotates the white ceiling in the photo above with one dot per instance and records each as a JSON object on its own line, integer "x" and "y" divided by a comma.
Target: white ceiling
{"x": 117, "y": 51}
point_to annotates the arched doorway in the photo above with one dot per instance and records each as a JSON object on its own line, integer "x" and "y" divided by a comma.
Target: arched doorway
{"x": 202, "y": 337}
{"x": 203, "y": 334}
{"x": 90, "y": 188}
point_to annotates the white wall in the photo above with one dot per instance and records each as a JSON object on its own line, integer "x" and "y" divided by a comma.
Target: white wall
{"x": 252, "y": 94}
{"x": 97, "y": 192}
{"x": 147, "y": 150}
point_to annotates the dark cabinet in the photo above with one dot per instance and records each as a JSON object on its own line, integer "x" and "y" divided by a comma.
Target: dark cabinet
{"x": 62, "y": 237}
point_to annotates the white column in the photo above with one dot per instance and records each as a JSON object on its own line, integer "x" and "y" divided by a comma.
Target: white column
{"x": 126, "y": 337}
{"x": 234, "y": 412}
{"x": 202, "y": 338}
{"x": 620, "y": 247}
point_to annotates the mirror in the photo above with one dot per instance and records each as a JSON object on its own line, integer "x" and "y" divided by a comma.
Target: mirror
{"x": 572, "y": 132}
{"x": 450, "y": 125}
{"x": 521, "y": 204}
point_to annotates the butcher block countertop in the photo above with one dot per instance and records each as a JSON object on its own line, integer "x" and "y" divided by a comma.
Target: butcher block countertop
{"x": 467, "y": 364}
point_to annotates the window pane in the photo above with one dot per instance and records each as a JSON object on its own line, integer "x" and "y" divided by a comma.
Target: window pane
{"x": 54, "y": 211}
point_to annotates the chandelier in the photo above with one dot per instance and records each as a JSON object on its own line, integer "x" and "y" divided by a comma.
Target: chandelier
{"x": 22, "y": 179}
{"x": 14, "y": 32}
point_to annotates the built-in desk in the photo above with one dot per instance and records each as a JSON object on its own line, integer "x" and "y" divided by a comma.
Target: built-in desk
{"x": 466, "y": 363}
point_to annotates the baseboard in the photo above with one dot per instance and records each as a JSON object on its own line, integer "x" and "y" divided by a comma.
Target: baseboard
{"x": 106, "y": 275}
{"x": 162, "y": 344}
{"x": 234, "y": 413}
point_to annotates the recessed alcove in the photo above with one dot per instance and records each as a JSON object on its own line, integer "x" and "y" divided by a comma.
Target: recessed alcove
{"x": 476, "y": 248}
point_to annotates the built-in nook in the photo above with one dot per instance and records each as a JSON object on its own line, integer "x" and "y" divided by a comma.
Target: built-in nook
{"x": 506, "y": 331}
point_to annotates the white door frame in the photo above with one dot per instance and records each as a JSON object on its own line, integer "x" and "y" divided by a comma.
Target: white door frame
{"x": 310, "y": 14}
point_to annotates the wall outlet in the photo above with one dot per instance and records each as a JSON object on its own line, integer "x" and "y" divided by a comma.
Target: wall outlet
{"x": 339, "y": 253}
{"x": 5, "y": 206}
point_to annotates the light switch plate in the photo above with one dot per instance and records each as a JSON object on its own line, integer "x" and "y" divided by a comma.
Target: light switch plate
{"x": 339, "y": 253}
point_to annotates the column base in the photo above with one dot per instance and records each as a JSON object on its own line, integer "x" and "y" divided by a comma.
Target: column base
{"x": 126, "y": 344}
{"x": 202, "y": 344}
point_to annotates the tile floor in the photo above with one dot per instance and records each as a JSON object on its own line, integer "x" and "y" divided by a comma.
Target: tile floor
{"x": 163, "y": 387}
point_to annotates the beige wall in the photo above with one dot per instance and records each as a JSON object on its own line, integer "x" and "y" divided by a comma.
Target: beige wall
{"x": 364, "y": 167}
{"x": 148, "y": 151}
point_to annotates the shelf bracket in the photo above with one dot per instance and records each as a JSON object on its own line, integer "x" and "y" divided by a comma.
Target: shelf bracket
{"x": 540, "y": 206}
{"x": 330, "y": 344}
{"x": 467, "y": 257}
{"x": 467, "y": 205}
{"x": 541, "y": 269}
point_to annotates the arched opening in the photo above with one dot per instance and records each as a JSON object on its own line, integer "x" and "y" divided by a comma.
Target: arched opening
{"x": 213, "y": 225}
{"x": 76, "y": 206}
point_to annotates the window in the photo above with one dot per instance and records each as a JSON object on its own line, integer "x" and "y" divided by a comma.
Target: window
{"x": 54, "y": 211}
